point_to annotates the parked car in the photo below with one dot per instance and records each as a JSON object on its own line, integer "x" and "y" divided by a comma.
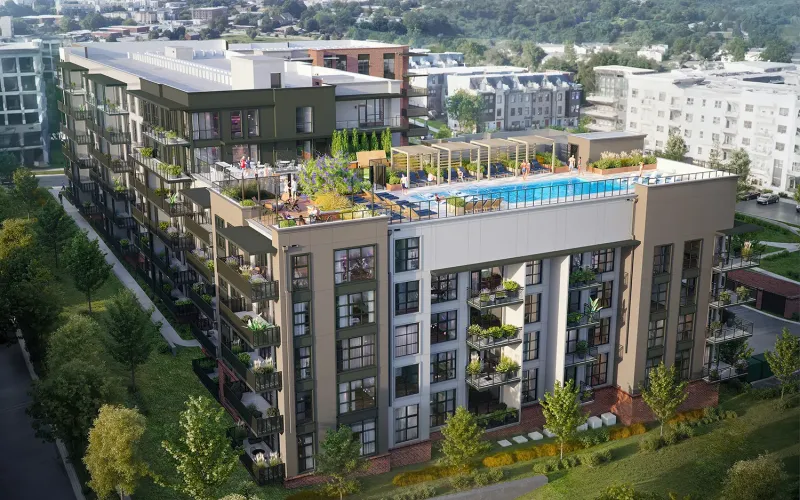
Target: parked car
{"x": 766, "y": 199}
{"x": 750, "y": 195}
{"x": 797, "y": 208}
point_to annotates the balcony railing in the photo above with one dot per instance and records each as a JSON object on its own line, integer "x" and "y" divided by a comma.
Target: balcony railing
{"x": 487, "y": 299}
{"x": 483, "y": 381}
{"x": 718, "y": 373}
{"x": 721, "y": 298}
{"x": 202, "y": 369}
{"x": 137, "y": 213}
{"x": 582, "y": 279}
{"x": 200, "y": 327}
{"x": 176, "y": 242}
{"x": 165, "y": 137}
{"x": 78, "y": 138}
{"x": 81, "y": 161}
{"x": 487, "y": 341}
{"x": 498, "y": 418}
{"x": 271, "y": 474}
{"x": 199, "y": 301}
{"x": 377, "y": 123}
{"x": 260, "y": 425}
{"x": 575, "y": 359}
{"x": 124, "y": 221}
{"x": 259, "y": 382}
{"x": 416, "y": 92}
{"x": 262, "y": 337}
{"x": 193, "y": 225}
{"x": 164, "y": 170}
{"x": 730, "y": 260}
{"x": 586, "y": 319}
{"x": 199, "y": 266}
{"x": 738, "y": 329}
{"x": 417, "y": 111}
{"x": 256, "y": 287}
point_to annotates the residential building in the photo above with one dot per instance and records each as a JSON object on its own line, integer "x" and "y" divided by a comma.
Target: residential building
{"x": 654, "y": 52}
{"x": 750, "y": 105}
{"x": 424, "y": 58}
{"x": 608, "y": 102}
{"x": 205, "y": 14}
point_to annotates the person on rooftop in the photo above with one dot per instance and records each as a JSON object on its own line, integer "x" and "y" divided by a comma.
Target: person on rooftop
{"x": 404, "y": 183}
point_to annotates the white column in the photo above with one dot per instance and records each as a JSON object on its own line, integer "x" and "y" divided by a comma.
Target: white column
{"x": 557, "y": 321}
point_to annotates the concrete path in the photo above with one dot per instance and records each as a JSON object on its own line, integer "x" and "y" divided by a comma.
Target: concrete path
{"x": 508, "y": 490}
{"x": 128, "y": 281}
{"x": 789, "y": 247}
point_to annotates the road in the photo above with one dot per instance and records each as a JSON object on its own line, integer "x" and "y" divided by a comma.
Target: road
{"x": 51, "y": 181}
{"x": 783, "y": 211}
{"x": 766, "y": 328}
{"x": 32, "y": 470}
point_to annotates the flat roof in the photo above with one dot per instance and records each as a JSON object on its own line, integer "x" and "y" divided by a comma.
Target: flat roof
{"x": 619, "y": 134}
{"x": 532, "y": 139}
{"x": 199, "y": 196}
{"x": 495, "y": 143}
{"x": 455, "y": 146}
{"x": 415, "y": 150}
{"x": 156, "y": 99}
{"x": 740, "y": 227}
{"x": 248, "y": 239}
{"x": 104, "y": 80}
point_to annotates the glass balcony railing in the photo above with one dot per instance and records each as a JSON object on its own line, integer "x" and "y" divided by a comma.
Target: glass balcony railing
{"x": 731, "y": 260}
{"x": 737, "y": 329}
{"x": 487, "y": 380}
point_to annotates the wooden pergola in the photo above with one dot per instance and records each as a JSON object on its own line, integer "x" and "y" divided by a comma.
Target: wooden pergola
{"x": 415, "y": 155}
{"x": 494, "y": 148}
{"x": 455, "y": 151}
{"x": 533, "y": 140}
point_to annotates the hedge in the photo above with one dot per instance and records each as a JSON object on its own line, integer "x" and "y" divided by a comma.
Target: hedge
{"x": 424, "y": 475}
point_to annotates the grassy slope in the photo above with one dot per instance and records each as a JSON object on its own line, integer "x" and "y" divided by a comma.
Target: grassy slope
{"x": 782, "y": 264}
{"x": 770, "y": 232}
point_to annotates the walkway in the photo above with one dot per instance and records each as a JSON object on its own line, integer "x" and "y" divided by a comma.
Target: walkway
{"x": 508, "y": 490}
{"x": 169, "y": 333}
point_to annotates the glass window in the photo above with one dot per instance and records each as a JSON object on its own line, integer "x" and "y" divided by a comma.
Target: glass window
{"x": 406, "y": 381}
{"x": 356, "y": 352}
{"x": 444, "y": 287}
{"x": 443, "y": 366}
{"x": 356, "y": 395}
{"x": 275, "y": 81}
{"x": 29, "y": 102}
{"x": 26, "y": 65}
{"x": 406, "y": 340}
{"x": 13, "y": 103}
{"x": 304, "y": 406}
{"x": 236, "y": 124}
{"x": 363, "y": 64}
{"x": 658, "y": 297}
{"x": 302, "y": 362}
{"x": 406, "y": 423}
{"x": 649, "y": 364}
{"x": 685, "y": 327}
{"x": 443, "y": 326}
{"x": 305, "y": 452}
{"x": 9, "y": 65}
{"x": 443, "y": 404}
{"x": 300, "y": 274}
{"x": 600, "y": 334}
{"x": 662, "y": 259}
{"x": 32, "y": 118}
{"x": 364, "y": 432}
{"x": 28, "y": 83}
{"x": 406, "y": 297}
{"x": 604, "y": 294}
{"x": 304, "y": 119}
{"x": 530, "y": 382}
{"x": 655, "y": 333}
{"x": 597, "y": 372}
{"x": 388, "y": 66}
{"x": 603, "y": 260}
{"x": 406, "y": 255}
{"x": 532, "y": 312}
{"x": 691, "y": 254}
{"x": 533, "y": 272}
{"x": 355, "y": 309}
{"x": 530, "y": 347}
{"x": 354, "y": 264}
{"x": 301, "y": 318}
{"x": 252, "y": 123}
{"x": 688, "y": 291}
{"x": 683, "y": 363}
{"x": 205, "y": 125}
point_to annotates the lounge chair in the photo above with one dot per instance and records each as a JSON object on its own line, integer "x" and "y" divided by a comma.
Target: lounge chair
{"x": 482, "y": 206}
{"x": 469, "y": 207}
{"x": 454, "y": 174}
{"x": 423, "y": 177}
{"x": 495, "y": 204}
{"x": 414, "y": 180}
{"x": 502, "y": 171}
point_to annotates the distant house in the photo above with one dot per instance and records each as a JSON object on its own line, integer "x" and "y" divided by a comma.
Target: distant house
{"x": 774, "y": 295}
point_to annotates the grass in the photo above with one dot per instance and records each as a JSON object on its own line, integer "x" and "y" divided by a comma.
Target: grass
{"x": 770, "y": 233}
{"x": 787, "y": 264}
{"x": 436, "y": 124}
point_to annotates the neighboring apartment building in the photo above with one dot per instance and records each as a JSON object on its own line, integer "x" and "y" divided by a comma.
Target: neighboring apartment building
{"x": 23, "y": 111}
{"x": 522, "y": 100}
{"x": 749, "y": 105}
{"x": 608, "y": 102}
{"x": 424, "y": 58}
{"x": 205, "y": 14}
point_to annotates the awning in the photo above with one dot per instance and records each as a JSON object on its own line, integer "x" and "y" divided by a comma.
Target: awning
{"x": 740, "y": 227}
{"x": 248, "y": 239}
{"x": 71, "y": 66}
{"x": 160, "y": 101}
{"x": 105, "y": 80}
{"x": 198, "y": 196}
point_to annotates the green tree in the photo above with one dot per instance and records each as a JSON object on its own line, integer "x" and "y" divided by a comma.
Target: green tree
{"x": 756, "y": 479}
{"x": 444, "y": 132}
{"x": 114, "y": 458}
{"x": 68, "y": 24}
{"x": 87, "y": 265}
{"x": 8, "y": 163}
{"x": 664, "y": 393}
{"x": 354, "y": 141}
{"x": 80, "y": 338}
{"x": 345, "y": 142}
{"x": 532, "y": 55}
{"x": 363, "y": 144}
{"x": 26, "y": 189}
{"x": 252, "y": 33}
{"x": 737, "y": 48}
{"x": 785, "y": 359}
{"x": 463, "y": 439}
{"x": 715, "y": 157}
{"x": 129, "y": 22}
{"x": 373, "y": 142}
{"x": 54, "y": 227}
{"x": 131, "y": 332}
{"x": 562, "y": 412}
{"x": 676, "y": 148}
{"x": 386, "y": 142}
{"x": 797, "y": 194}
{"x": 465, "y": 108}
{"x": 777, "y": 50}
{"x": 739, "y": 164}
{"x": 339, "y": 459}
{"x": 200, "y": 450}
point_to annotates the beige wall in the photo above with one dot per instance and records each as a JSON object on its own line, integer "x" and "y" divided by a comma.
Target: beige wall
{"x": 590, "y": 150}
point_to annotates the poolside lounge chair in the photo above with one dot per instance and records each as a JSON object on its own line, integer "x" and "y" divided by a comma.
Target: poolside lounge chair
{"x": 423, "y": 177}
{"x": 468, "y": 176}
{"x": 482, "y": 206}
{"x": 469, "y": 207}
{"x": 494, "y": 204}
{"x": 501, "y": 171}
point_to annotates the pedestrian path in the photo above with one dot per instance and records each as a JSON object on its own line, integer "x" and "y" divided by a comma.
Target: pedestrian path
{"x": 508, "y": 490}
{"x": 128, "y": 281}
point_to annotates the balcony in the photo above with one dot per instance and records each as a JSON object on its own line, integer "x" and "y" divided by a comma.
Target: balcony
{"x": 86, "y": 186}
{"x": 206, "y": 371}
{"x": 415, "y": 92}
{"x": 80, "y": 161}
{"x": 498, "y": 418}
{"x": 199, "y": 296}
{"x": 138, "y": 214}
{"x": 203, "y": 330}
{"x": 721, "y": 299}
{"x": 271, "y": 474}
{"x": 198, "y": 225}
{"x": 737, "y": 329}
{"x": 199, "y": 262}
{"x": 415, "y": 130}
{"x": 124, "y": 221}
{"x": 182, "y": 309}
{"x": 731, "y": 260}
{"x": 256, "y": 286}
{"x": 493, "y": 337}
{"x": 259, "y": 382}
{"x": 582, "y": 279}
{"x": 139, "y": 183}
{"x": 374, "y": 124}
{"x": 73, "y": 89}
{"x": 175, "y": 241}
{"x": 586, "y": 319}
{"x": 164, "y": 137}
{"x": 414, "y": 111}
{"x": 111, "y": 108}
{"x": 168, "y": 172}
{"x": 254, "y": 411}
{"x": 263, "y": 334}
{"x": 582, "y": 358}
{"x": 719, "y": 373}
{"x": 487, "y": 299}
{"x": 487, "y": 380}
{"x": 77, "y": 137}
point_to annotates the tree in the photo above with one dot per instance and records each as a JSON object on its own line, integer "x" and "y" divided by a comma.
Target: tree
{"x": 463, "y": 439}
{"x": 532, "y": 55}
{"x": 785, "y": 359}
{"x": 737, "y": 48}
{"x": 8, "y": 163}
{"x": 354, "y": 141}
{"x": 373, "y": 142}
{"x": 339, "y": 459}
{"x": 676, "y": 148}
{"x": 80, "y": 338}
{"x": 113, "y": 457}
{"x": 131, "y": 332}
{"x": 715, "y": 157}
{"x": 562, "y": 412}
{"x": 797, "y": 194}
{"x": 739, "y": 164}
{"x": 54, "y": 227}
{"x": 761, "y": 477}
{"x": 201, "y": 451}
{"x": 363, "y": 144}
{"x": 664, "y": 393}
{"x": 26, "y": 189}
{"x": 252, "y": 33}
{"x": 87, "y": 265}
{"x": 777, "y": 50}
{"x": 465, "y": 108}
{"x": 443, "y": 133}
{"x": 66, "y": 402}
{"x": 386, "y": 141}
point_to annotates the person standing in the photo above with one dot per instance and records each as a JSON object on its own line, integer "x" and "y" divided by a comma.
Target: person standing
{"x": 572, "y": 163}
{"x": 292, "y": 187}
{"x": 404, "y": 183}
{"x": 243, "y": 162}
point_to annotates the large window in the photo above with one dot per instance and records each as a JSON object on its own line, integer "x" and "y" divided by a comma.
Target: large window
{"x": 355, "y": 353}
{"x": 532, "y": 312}
{"x": 688, "y": 291}
{"x": 304, "y": 406}
{"x": 655, "y": 333}
{"x": 572, "y": 341}
{"x": 406, "y": 255}
{"x": 530, "y": 348}
{"x": 691, "y": 254}
{"x": 300, "y": 272}
{"x": 364, "y": 433}
{"x": 658, "y": 297}
{"x": 597, "y": 372}
{"x": 354, "y": 264}
{"x": 370, "y": 113}
{"x": 406, "y": 381}
{"x": 600, "y": 334}
{"x": 26, "y": 65}
{"x": 9, "y": 65}
{"x": 530, "y": 382}
{"x": 406, "y": 340}
{"x": 355, "y": 309}
{"x": 302, "y": 363}
{"x": 683, "y": 363}
{"x": 443, "y": 404}
{"x": 662, "y": 258}
{"x": 205, "y": 125}
{"x": 444, "y": 287}
{"x": 443, "y": 326}
{"x": 603, "y": 260}
{"x": 443, "y": 366}
{"x": 363, "y": 64}
{"x": 406, "y": 297}
{"x": 304, "y": 120}
{"x": 649, "y": 365}
{"x": 301, "y": 312}
{"x": 685, "y": 327}
{"x": 305, "y": 452}
{"x": 533, "y": 272}
{"x": 356, "y": 395}
{"x": 388, "y": 66}
{"x": 253, "y": 129}
{"x": 604, "y": 294}
{"x": 236, "y": 125}
{"x": 406, "y": 423}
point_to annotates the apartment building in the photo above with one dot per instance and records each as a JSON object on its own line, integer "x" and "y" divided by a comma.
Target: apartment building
{"x": 749, "y": 105}
{"x": 608, "y": 103}
{"x": 522, "y": 100}
{"x": 23, "y": 110}
{"x": 205, "y": 14}
{"x": 424, "y": 58}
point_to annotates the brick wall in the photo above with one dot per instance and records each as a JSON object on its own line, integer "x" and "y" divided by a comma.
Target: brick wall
{"x": 377, "y": 465}
{"x": 411, "y": 454}
{"x": 632, "y": 409}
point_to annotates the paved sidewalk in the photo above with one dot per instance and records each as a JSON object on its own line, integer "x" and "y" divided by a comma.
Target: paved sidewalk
{"x": 508, "y": 490}
{"x": 169, "y": 333}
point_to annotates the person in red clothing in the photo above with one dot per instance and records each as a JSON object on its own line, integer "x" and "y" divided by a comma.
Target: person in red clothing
{"x": 243, "y": 163}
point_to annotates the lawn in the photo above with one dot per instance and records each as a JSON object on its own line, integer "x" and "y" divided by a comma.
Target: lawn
{"x": 436, "y": 124}
{"x": 770, "y": 233}
{"x": 786, "y": 264}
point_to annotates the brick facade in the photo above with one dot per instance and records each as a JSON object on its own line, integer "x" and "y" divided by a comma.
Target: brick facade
{"x": 380, "y": 464}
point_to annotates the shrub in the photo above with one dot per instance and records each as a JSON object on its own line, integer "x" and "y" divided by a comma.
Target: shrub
{"x": 308, "y": 495}
{"x": 570, "y": 461}
{"x": 786, "y": 403}
{"x": 331, "y": 200}
{"x": 417, "y": 493}
{"x": 485, "y": 478}
{"x": 247, "y": 203}
{"x": 637, "y": 429}
{"x": 597, "y": 458}
{"x": 423, "y": 475}
{"x": 689, "y": 416}
{"x": 498, "y": 460}
{"x": 621, "y": 433}
{"x": 527, "y": 454}
{"x": 651, "y": 443}
{"x": 461, "y": 482}
{"x": 549, "y": 450}
{"x": 593, "y": 437}
{"x": 546, "y": 466}
{"x": 754, "y": 479}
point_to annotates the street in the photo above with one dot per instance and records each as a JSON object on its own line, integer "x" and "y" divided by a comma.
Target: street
{"x": 52, "y": 181}
{"x": 783, "y": 211}
{"x": 766, "y": 328}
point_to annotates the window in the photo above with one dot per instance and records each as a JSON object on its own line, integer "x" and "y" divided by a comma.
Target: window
{"x": 603, "y": 260}
{"x": 406, "y": 255}
{"x": 633, "y": 110}
{"x": 688, "y": 291}
{"x": 662, "y": 259}
{"x": 364, "y": 432}
{"x": 356, "y": 395}
{"x": 302, "y": 362}
{"x": 26, "y": 65}
{"x": 205, "y": 125}
{"x": 685, "y": 327}
{"x": 363, "y": 64}
{"x": 300, "y": 275}
{"x": 688, "y": 118}
{"x": 659, "y": 128}
{"x": 655, "y": 333}
{"x": 650, "y": 363}
{"x": 355, "y": 309}
{"x": 252, "y": 123}
{"x": 532, "y": 307}
{"x": 29, "y": 102}
{"x": 236, "y": 124}
{"x": 354, "y": 264}
{"x": 304, "y": 119}
{"x": 782, "y": 111}
{"x": 301, "y": 318}
{"x": 533, "y": 272}
{"x": 530, "y": 346}
{"x": 715, "y": 121}
{"x": 779, "y": 146}
{"x": 745, "y": 141}
{"x": 406, "y": 423}
{"x": 572, "y": 341}
{"x": 634, "y": 93}
{"x": 275, "y": 81}
{"x": 444, "y": 287}
{"x": 304, "y": 406}
{"x": 305, "y": 452}
{"x": 9, "y": 65}
{"x": 406, "y": 381}
{"x": 632, "y": 125}
{"x": 443, "y": 366}
{"x": 658, "y": 297}
{"x": 717, "y": 104}
{"x": 13, "y": 103}
{"x": 748, "y": 108}
{"x": 748, "y": 124}
{"x": 443, "y": 404}
{"x": 715, "y": 137}
{"x": 597, "y": 372}
{"x": 530, "y": 382}
{"x": 406, "y": 340}
{"x": 355, "y": 353}
{"x": 687, "y": 133}
{"x": 11, "y": 84}
{"x": 600, "y": 334}
{"x": 388, "y": 66}
{"x": 406, "y": 297}
{"x": 683, "y": 363}
{"x": 604, "y": 294}
{"x": 443, "y": 327}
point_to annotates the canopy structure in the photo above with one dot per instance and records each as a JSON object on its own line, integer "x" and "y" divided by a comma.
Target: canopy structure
{"x": 455, "y": 151}
{"x": 530, "y": 142}
{"x": 494, "y": 149}
{"x": 413, "y": 156}
{"x": 367, "y": 158}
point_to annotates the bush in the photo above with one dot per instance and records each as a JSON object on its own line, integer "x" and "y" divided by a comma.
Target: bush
{"x": 498, "y": 460}
{"x": 485, "y": 478}
{"x": 308, "y": 495}
{"x": 786, "y": 403}
{"x": 423, "y": 475}
{"x": 597, "y": 458}
{"x": 754, "y": 479}
{"x": 546, "y": 466}
{"x": 689, "y": 416}
{"x": 527, "y": 454}
{"x": 461, "y": 482}
{"x": 416, "y": 493}
{"x": 626, "y": 432}
{"x": 637, "y": 429}
{"x": 570, "y": 462}
{"x": 593, "y": 437}
{"x": 651, "y": 443}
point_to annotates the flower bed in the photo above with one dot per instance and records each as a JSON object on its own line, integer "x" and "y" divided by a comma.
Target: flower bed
{"x": 617, "y": 163}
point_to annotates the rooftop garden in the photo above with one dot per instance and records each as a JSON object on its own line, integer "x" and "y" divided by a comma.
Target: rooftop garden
{"x": 632, "y": 158}
{"x": 330, "y": 184}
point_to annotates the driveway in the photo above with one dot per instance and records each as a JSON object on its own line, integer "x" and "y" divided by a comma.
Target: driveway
{"x": 766, "y": 328}
{"x": 52, "y": 181}
{"x": 32, "y": 470}
{"x": 783, "y": 211}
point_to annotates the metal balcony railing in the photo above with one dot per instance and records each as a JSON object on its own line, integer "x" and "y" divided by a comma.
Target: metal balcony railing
{"x": 487, "y": 341}
{"x": 721, "y": 298}
{"x": 738, "y": 329}
{"x": 731, "y": 260}
{"x": 575, "y": 359}
{"x": 486, "y": 380}
{"x": 487, "y": 299}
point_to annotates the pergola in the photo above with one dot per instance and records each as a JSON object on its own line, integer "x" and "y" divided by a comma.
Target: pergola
{"x": 458, "y": 151}
{"x": 533, "y": 140}
{"x": 413, "y": 154}
{"x": 494, "y": 148}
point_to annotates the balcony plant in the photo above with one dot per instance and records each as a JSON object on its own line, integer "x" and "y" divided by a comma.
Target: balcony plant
{"x": 509, "y": 330}
{"x": 747, "y": 250}
{"x": 725, "y": 297}
{"x": 275, "y": 459}
{"x": 273, "y": 412}
{"x": 198, "y": 287}
{"x": 507, "y": 366}
{"x": 144, "y": 240}
{"x": 163, "y": 225}
{"x": 475, "y": 331}
{"x": 257, "y": 325}
{"x": 715, "y": 326}
{"x": 161, "y": 191}
{"x": 500, "y": 294}
{"x": 581, "y": 276}
{"x": 210, "y": 265}
{"x": 484, "y": 295}
{"x": 263, "y": 367}
{"x": 173, "y": 170}
{"x": 206, "y": 298}
{"x": 742, "y": 293}
{"x": 714, "y": 374}
{"x": 171, "y": 135}
{"x": 256, "y": 279}
{"x": 146, "y": 152}
{"x": 574, "y": 317}
{"x": 167, "y": 288}
{"x": 259, "y": 462}
{"x": 581, "y": 348}
{"x": 474, "y": 367}
{"x": 510, "y": 286}
{"x": 172, "y": 198}
{"x": 244, "y": 358}
{"x": 183, "y": 302}
{"x": 592, "y": 308}
{"x": 232, "y": 262}
{"x": 495, "y": 332}
{"x": 124, "y": 243}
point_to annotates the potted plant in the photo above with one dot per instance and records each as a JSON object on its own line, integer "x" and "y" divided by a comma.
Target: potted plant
{"x": 593, "y": 308}
{"x": 273, "y": 412}
{"x": 146, "y": 152}
{"x": 509, "y": 331}
{"x": 714, "y": 327}
{"x": 581, "y": 348}
{"x": 747, "y": 250}
{"x": 484, "y": 296}
{"x": 714, "y": 374}
{"x": 393, "y": 182}
{"x": 263, "y": 367}
{"x": 206, "y": 298}
{"x": 455, "y": 205}
{"x": 495, "y": 332}
{"x": 742, "y": 293}
{"x": 124, "y": 243}
{"x": 475, "y": 331}
{"x": 259, "y": 463}
{"x": 507, "y": 366}
{"x": 725, "y": 297}
{"x": 163, "y": 225}
{"x": 474, "y": 367}
{"x": 244, "y": 358}
{"x": 500, "y": 294}
{"x": 232, "y": 262}
{"x": 210, "y": 265}
{"x": 511, "y": 286}
{"x": 574, "y": 317}
{"x": 171, "y": 135}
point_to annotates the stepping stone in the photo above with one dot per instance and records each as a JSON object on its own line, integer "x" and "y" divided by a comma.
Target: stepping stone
{"x": 520, "y": 439}
{"x": 536, "y": 436}
{"x": 594, "y": 422}
{"x": 608, "y": 419}
{"x": 582, "y": 427}
{"x": 548, "y": 433}
{"x": 504, "y": 443}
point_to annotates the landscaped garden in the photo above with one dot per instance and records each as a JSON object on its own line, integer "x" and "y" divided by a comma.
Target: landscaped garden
{"x": 786, "y": 264}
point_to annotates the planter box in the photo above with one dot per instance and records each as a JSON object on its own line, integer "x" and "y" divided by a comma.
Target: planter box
{"x": 559, "y": 170}
{"x": 394, "y": 187}
{"x": 454, "y": 210}
{"x": 620, "y": 170}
